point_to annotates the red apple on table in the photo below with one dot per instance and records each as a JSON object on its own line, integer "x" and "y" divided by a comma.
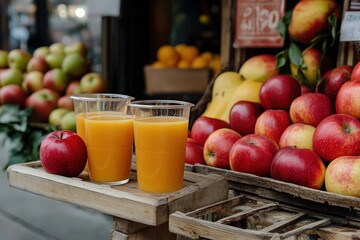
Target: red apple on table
{"x": 11, "y": 76}
{"x": 4, "y": 59}
{"x": 43, "y": 102}
{"x": 243, "y": 116}
{"x": 259, "y": 68}
{"x": 12, "y": 94}
{"x": 348, "y": 99}
{"x": 309, "y": 18}
{"x": 204, "y": 126}
{"x": 194, "y": 152}
{"x": 311, "y": 108}
{"x": 253, "y": 154}
{"x": 300, "y": 166}
{"x": 342, "y": 176}
{"x": 33, "y": 81}
{"x": 64, "y": 153}
{"x": 217, "y": 147}
{"x": 337, "y": 135}
{"x": 298, "y": 135}
{"x": 74, "y": 65}
{"x": 333, "y": 80}
{"x": 73, "y": 88}
{"x": 92, "y": 83}
{"x": 279, "y": 91}
{"x": 37, "y": 64}
{"x": 19, "y": 59}
{"x": 56, "y": 79}
{"x": 272, "y": 123}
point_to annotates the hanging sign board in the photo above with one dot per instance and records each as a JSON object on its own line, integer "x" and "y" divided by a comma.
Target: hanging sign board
{"x": 256, "y": 23}
{"x": 350, "y": 27}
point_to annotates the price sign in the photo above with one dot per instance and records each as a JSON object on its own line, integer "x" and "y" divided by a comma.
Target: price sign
{"x": 350, "y": 27}
{"x": 256, "y": 23}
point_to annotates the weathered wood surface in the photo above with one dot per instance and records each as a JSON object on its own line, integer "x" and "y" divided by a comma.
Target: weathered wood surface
{"x": 124, "y": 201}
{"x": 255, "y": 218}
{"x": 287, "y": 192}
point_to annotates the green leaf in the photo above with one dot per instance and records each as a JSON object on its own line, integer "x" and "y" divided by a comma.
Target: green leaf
{"x": 295, "y": 55}
{"x": 281, "y": 59}
{"x": 283, "y": 24}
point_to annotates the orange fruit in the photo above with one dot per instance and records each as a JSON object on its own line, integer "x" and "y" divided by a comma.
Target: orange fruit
{"x": 189, "y": 53}
{"x": 207, "y": 56}
{"x": 168, "y": 56}
{"x": 180, "y": 47}
{"x": 199, "y": 62}
{"x": 158, "y": 64}
{"x": 183, "y": 64}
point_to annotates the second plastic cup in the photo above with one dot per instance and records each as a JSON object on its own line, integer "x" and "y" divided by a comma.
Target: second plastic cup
{"x": 109, "y": 137}
{"x": 160, "y": 133}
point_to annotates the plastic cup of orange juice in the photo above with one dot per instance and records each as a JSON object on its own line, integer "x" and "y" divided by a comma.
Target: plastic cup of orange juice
{"x": 109, "y": 137}
{"x": 160, "y": 133}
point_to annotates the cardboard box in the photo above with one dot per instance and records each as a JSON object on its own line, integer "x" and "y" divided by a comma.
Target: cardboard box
{"x": 175, "y": 80}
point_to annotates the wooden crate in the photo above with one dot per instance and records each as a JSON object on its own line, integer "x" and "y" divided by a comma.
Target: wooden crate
{"x": 136, "y": 213}
{"x": 248, "y": 217}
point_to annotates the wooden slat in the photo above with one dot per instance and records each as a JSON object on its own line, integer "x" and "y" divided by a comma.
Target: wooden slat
{"x": 283, "y": 223}
{"x": 298, "y": 231}
{"x": 124, "y": 201}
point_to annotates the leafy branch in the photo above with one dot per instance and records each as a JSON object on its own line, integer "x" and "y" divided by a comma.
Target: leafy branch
{"x": 23, "y": 136}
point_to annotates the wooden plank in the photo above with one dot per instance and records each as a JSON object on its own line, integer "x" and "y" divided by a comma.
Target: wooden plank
{"x": 283, "y": 223}
{"x": 124, "y": 201}
{"x": 226, "y": 52}
{"x": 298, "y": 231}
{"x": 275, "y": 186}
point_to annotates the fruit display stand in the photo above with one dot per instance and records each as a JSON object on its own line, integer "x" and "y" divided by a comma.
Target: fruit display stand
{"x": 137, "y": 215}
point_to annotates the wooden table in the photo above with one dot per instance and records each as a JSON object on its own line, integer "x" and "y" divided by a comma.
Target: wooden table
{"x": 137, "y": 214}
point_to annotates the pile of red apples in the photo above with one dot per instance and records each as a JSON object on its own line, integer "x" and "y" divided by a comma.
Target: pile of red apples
{"x": 309, "y": 138}
{"x": 45, "y": 80}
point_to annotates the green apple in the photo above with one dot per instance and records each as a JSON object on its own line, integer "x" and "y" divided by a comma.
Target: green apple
{"x": 11, "y": 76}
{"x": 73, "y": 88}
{"x": 68, "y": 121}
{"x": 33, "y": 81}
{"x": 4, "y": 58}
{"x": 92, "y": 83}
{"x": 18, "y": 59}
{"x": 56, "y": 115}
{"x": 41, "y": 51}
{"x": 54, "y": 60}
{"x": 76, "y": 47}
{"x": 74, "y": 65}
{"x": 57, "y": 47}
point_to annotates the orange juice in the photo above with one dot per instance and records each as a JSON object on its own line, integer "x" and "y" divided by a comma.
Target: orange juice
{"x": 160, "y": 152}
{"x": 109, "y": 139}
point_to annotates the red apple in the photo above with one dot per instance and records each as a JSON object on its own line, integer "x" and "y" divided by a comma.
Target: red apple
{"x": 64, "y": 153}
{"x": 298, "y": 165}
{"x": 217, "y": 147}
{"x": 298, "y": 135}
{"x": 348, "y": 99}
{"x": 305, "y": 89}
{"x": 56, "y": 79}
{"x": 272, "y": 123}
{"x": 310, "y": 18}
{"x": 279, "y": 91}
{"x": 342, "y": 176}
{"x": 92, "y": 83}
{"x": 355, "y": 74}
{"x": 337, "y": 135}
{"x": 65, "y": 102}
{"x": 11, "y": 76}
{"x": 37, "y": 64}
{"x": 333, "y": 80}
{"x": 12, "y": 94}
{"x": 73, "y": 88}
{"x": 259, "y": 68}
{"x": 74, "y": 65}
{"x": 204, "y": 126}
{"x": 253, "y": 154}
{"x": 194, "y": 152}
{"x": 33, "y": 81}
{"x": 19, "y": 59}
{"x": 243, "y": 116}
{"x": 311, "y": 108}
{"x": 43, "y": 102}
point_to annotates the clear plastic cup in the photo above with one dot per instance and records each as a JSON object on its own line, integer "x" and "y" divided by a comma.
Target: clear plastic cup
{"x": 160, "y": 133}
